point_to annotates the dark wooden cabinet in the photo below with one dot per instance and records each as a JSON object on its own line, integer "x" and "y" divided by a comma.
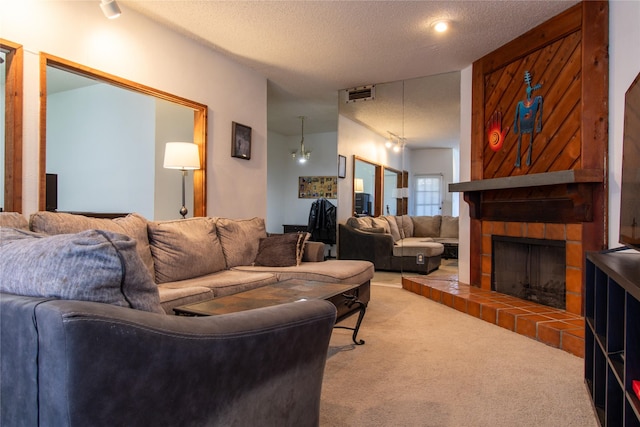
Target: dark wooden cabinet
{"x": 363, "y": 204}
{"x": 612, "y": 335}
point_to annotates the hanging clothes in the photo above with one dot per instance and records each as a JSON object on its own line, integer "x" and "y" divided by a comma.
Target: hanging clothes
{"x": 322, "y": 221}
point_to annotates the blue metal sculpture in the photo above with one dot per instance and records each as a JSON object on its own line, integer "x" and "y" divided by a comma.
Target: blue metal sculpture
{"x": 528, "y": 118}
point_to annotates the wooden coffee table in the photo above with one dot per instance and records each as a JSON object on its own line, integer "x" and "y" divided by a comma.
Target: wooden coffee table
{"x": 345, "y": 297}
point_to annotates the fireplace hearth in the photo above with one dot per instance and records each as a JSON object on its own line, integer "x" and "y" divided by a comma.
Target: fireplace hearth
{"x": 530, "y": 269}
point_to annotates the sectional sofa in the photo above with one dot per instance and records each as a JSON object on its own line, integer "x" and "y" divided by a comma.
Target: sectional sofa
{"x": 399, "y": 243}
{"x": 86, "y": 339}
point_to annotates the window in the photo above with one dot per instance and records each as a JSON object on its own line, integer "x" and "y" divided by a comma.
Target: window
{"x": 428, "y": 194}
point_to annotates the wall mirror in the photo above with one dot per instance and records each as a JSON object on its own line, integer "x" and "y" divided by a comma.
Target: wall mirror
{"x": 11, "y": 60}
{"x": 102, "y": 144}
{"x": 421, "y": 113}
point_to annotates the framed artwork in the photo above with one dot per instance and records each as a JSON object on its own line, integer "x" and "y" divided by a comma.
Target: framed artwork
{"x": 342, "y": 166}
{"x": 314, "y": 187}
{"x": 240, "y": 141}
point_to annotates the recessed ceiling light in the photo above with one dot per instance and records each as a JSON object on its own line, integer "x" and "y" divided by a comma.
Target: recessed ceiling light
{"x": 441, "y": 26}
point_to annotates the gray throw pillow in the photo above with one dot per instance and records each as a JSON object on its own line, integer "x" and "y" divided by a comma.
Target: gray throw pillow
{"x": 279, "y": 250}
{"x": 92, "y": 265}
{"x": 185, "y": 248}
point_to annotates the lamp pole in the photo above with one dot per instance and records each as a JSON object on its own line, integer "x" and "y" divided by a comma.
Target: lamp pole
{"x": 183, "y": 209}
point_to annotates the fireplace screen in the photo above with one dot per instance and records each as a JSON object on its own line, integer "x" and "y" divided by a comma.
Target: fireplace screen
{"x": 531, "y": 269}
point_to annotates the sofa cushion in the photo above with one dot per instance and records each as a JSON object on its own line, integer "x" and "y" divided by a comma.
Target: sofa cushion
{"x": 13, "y": 220}
{"x": 331, "y": 271}
{"x": 279, "y": 250}
{"x": 426, "y": 226}
{"x": 132, "y": 225}
{"x": 381, "y": 222}
{"x": 449, "y": 227}
{"x": 377, "y": 230}
{"x": 227, "y": 282}
{"x": 185, "y": 248}
{"x": 413, "y": 246}
{"x": 393, "y": 227}
{"x": 93, "y": 265}
{"x": 240, "y": 239}
{"x": 359, "y": 222}
{"x": 405, "y": 226}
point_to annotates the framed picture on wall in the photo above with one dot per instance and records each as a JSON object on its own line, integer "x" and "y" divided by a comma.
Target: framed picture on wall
{"x": 342, "y": 166}
{"x": 240, "y": 141}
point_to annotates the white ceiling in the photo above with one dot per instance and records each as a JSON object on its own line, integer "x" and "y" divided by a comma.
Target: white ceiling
{"x": 309, "y": 50}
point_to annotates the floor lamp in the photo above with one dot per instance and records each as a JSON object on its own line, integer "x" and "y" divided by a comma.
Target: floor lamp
{"x": 183, "y": 156}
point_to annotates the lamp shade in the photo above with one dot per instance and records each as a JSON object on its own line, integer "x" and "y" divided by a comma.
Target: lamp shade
{"x": 358, "y": 185}
{"x": 181, "y": 155}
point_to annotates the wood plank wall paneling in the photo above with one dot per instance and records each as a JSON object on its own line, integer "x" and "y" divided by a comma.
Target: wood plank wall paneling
{"x": 557, "y": 68}
{"x": 568, "y": 56}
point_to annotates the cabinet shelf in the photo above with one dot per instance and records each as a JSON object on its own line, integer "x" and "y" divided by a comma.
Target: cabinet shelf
{"x": 612, "y": 335}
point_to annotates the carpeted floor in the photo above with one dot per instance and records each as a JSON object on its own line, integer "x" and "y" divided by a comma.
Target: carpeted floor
{"x": 425, "y": 364}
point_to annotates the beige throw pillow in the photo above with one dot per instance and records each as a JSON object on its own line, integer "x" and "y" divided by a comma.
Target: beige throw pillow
{"x": 240, "y": 239}
{"x": 405, "y": 226}
{"x": 185, "y": 248}
{"x": 381, "y": 222}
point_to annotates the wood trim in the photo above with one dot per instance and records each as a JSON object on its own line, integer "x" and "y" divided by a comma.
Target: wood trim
{"x": 13, "y": 126}
{"x": 199, "y": 122}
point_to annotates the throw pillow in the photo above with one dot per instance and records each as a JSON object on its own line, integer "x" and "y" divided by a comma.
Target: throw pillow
{"x": 426, "y": 226}
{"x": 240, "y": 239}
{"x": 92, "y": 265}
{"x": 133, "y": 225}
{"x": 300, "y": 247}
{"x": 393, "y": 227}
{"x": 185, "y": 248}
{"x": 449, "y": 227}
{"x": 279, "y": 250}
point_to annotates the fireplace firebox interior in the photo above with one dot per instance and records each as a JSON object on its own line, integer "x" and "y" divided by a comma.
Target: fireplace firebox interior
{"x": 530, "y": 269}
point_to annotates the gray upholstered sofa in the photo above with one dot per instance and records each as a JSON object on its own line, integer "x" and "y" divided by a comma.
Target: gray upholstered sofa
{"x": 201, "y": 258}
{"x": 86, "y": 339}
{"x": 399, "y": 243}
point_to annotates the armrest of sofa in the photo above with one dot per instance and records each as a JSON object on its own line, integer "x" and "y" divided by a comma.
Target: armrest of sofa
{"x": 357, "y": 244}
{"x": 81, "y": 363}
{"x": 313, "y": 252}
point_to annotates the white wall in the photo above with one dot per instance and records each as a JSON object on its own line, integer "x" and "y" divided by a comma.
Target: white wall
{"x": 356, "y": 140}
{"x": 283, "y": 204}
{"x": 464, "y": 224}
{"x": 433, "y": 161}
{"x": 139, "y": 50}
{"x": 624, "y": 65}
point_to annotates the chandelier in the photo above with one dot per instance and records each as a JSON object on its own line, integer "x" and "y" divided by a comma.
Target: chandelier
{"x": 302, "y": 155}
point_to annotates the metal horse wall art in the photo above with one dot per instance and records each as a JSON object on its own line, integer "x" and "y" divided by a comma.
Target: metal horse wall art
{"x": 528, "y": 118}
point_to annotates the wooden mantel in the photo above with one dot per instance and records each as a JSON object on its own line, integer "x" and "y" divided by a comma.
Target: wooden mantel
{"x": 532, "y": 180}
{"x": 553, "y": 197}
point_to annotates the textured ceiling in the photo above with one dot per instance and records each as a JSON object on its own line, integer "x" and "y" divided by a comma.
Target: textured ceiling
{"x": 309, "y": 50}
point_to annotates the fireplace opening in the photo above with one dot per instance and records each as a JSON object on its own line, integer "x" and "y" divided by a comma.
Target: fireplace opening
{"x": 530, "y": 269}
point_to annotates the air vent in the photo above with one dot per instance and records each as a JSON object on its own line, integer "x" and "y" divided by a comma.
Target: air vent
{"x": 362, "y": 93}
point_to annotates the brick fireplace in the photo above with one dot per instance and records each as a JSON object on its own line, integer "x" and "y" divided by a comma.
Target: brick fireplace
{"x": 559, "y": 190}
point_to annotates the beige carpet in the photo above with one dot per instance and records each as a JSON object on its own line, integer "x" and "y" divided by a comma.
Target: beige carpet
{"x": 425, "y": 364}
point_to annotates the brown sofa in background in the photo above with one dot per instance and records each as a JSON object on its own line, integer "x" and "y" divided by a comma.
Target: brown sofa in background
{"x": 399, "y": 243}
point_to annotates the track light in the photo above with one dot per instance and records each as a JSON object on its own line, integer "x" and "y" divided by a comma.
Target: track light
{"x": 110, "y": 9}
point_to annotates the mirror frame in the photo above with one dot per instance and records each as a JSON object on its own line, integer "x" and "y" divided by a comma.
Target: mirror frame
{"x": 13, "y": 126}
{"x": 377, "y": 208}
{"x": 199, "y": 123}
